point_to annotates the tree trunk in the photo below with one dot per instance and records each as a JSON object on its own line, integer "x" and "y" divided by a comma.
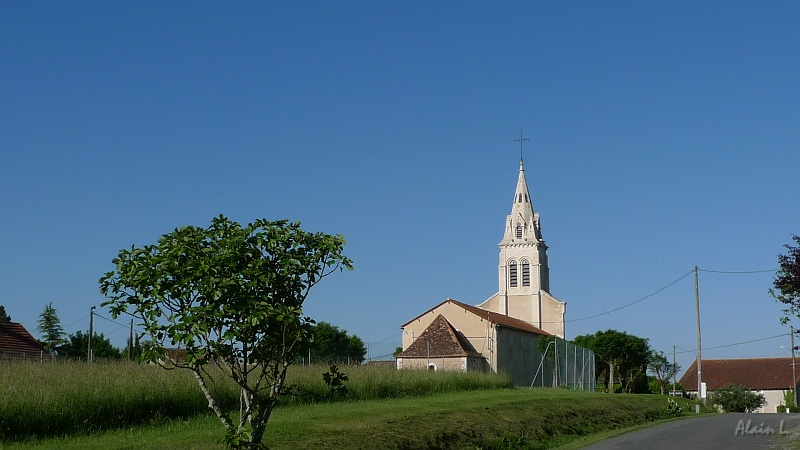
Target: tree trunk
{"x": 212, "y": 403}
{"x": 610, "y": 378}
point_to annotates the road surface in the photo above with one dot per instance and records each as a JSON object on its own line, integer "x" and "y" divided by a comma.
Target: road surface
{"x": 720, "y": 431}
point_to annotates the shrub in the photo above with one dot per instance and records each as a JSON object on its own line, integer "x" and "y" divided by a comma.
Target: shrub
{"x": 736, "y": 398}
{"x": 673, "y": 409}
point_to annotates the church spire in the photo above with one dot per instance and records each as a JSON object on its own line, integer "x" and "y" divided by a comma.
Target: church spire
{"x": 522, "y": 224}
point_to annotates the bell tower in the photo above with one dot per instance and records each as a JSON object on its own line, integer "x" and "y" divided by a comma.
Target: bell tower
{"x": 522, "y": 269}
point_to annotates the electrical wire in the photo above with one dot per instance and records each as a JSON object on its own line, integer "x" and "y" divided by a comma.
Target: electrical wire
{"x": 737, "y": 272}
{"x": 737, "y": 343}
{"x": 634, "y": 302}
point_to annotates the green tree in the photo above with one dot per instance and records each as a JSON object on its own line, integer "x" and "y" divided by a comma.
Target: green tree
{"x": 50, "y": 329}
{"x": 662, "y": 370}
{"x": 331, "y": 344}
{"x": 786, "y": 285}
{"x": 77, "y": 346}
{"x": 735, "y": 398}
{"x": 4, "y": 317}
{"x": 231, "y": 296}
{"x": 619, "y": 354}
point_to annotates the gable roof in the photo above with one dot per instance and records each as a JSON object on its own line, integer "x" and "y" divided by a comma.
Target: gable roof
{"x": 753, "y": 373}
{"x": 17, "y": 342}
{"x": 493, "y": 317}
{"x": 438, "y": 340}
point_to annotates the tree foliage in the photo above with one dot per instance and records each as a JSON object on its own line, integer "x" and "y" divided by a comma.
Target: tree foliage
{"x": 4, "y": 317}
{"x": 662, "y": 370}
{"x": 333, "y": 345}
{"x": 77, "y": 346}
{"x": 50, "y": 329}
{"x": 619, "y": 355}
{"x": 231, "y": 296}
{"x": 735, "y": 398}
{"x": 786, "y": 285}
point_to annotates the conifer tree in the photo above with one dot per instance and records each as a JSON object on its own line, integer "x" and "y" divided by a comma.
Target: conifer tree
{"x": 50, "y": 329}
{"x": 4, "y": 317}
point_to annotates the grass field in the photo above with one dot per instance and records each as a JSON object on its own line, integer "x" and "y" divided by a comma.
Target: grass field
{"x": 70, "y": 398}
{"x": 119, "y": 406}
{"x": 488, "y": 419}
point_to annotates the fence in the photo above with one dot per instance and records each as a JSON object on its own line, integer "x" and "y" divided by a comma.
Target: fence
{"x": 565, "y": 364}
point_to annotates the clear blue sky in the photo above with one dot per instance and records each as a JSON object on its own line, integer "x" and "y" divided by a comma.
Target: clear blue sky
{"x": 663, "y": 135}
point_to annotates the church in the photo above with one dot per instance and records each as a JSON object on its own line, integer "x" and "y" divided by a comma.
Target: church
{"x": 500, "y": 334}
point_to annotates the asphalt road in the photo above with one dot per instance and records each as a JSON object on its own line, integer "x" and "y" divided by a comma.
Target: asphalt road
{"x": 722, "y": 431}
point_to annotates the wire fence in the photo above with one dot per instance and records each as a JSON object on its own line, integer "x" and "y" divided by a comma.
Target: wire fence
{"x": 567, "y": 365}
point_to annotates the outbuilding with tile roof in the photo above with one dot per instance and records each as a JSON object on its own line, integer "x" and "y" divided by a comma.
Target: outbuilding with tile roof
{"x": 17, "y": 343}
{"x": 772, "y": 377}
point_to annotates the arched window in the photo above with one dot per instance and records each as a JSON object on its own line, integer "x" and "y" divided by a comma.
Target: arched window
{"x": 519, "y": 198}
{"x": 512, "y": 273}
{"x": 526, "y": 273}
{"x": 519, "y": 231}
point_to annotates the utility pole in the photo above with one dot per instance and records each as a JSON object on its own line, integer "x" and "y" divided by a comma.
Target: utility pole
{"x": 427, "y": 341}
{"x": 130, "y": 342}
{"x": 699, "y": 351}
{"x": 674, "y": 371}
{"x": 794, "y": 375}
{"x": 91, "y": 331}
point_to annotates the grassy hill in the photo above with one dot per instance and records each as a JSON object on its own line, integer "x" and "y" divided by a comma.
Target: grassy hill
{"x": 497, "y": 418}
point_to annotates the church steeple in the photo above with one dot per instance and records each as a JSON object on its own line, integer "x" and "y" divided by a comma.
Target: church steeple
{"x": 522, "y": 224}
{"x": 523, "y": 270}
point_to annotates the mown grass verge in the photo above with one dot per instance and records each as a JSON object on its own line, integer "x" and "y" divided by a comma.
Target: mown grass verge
{"x": 39, "y": 400}
{"x": 498, "y": 419}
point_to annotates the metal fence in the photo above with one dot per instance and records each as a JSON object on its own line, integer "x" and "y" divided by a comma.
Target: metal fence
{"x": 565, "y": 364}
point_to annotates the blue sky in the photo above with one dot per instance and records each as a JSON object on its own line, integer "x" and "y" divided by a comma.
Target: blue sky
{"x": 663, "y": 135}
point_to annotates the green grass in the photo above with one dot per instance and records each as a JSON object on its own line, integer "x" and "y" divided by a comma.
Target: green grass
{"x": 72, "y": 398}
{"x": 489, "y": 419}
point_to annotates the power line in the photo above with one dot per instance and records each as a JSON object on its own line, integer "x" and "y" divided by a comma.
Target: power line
{"x": 737, "y": 343}
{"x": 106, "y": 318}
{"x": 737, "y": 272}
{"x": 77, "y": 321}
{"x": 384, "y": 340}
{"x": 634, "y": 302}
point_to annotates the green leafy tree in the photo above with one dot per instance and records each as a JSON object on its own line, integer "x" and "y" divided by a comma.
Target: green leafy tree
{"x": 662, "y": 370}
{"x": 786, "y": 285}
{"x": 231, "y": 296}
{"x": 50, "y": 329}
{"x": 734, "y": 398}
{"x": 331, "y": 344}
{"x": 77, "y": 345}
{"x": 619, "y": 354}
{"x": 4, "y": 317}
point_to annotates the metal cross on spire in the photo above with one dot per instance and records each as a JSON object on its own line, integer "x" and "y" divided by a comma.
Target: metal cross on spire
{"x": 521, "y": 140}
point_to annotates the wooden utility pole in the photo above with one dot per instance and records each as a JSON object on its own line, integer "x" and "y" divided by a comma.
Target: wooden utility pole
{"x": 674, "y": 371}
{"x": 794, "y": 375}
{"x": 91, "y": 331}
{"x": 130, "y": 342}
{"x": 699, "y": 351}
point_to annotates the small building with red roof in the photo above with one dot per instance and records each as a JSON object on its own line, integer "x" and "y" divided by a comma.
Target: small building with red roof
{"x": 456, "y": 336}
{"x": 771, "y": 377}
{"x": 17, "y": 343}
